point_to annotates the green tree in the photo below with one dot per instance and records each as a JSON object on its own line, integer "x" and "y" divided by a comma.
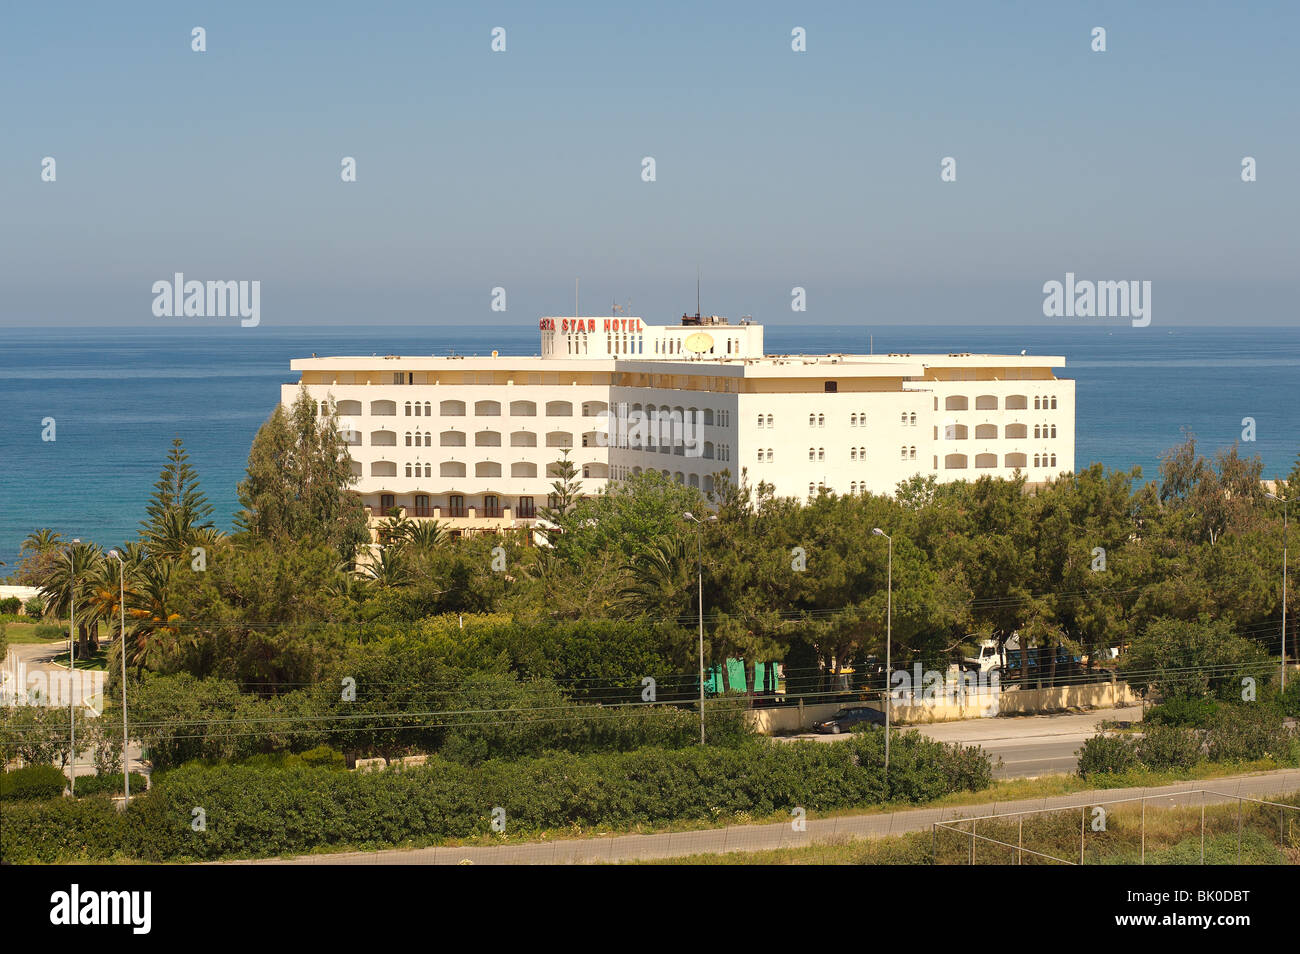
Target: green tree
{"x": 177, "y": 509}
{"x": 298, "y": 480}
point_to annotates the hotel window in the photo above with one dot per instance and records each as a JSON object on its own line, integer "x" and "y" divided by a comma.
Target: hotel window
{"x": 408, "y": 438}
{"x": 491, "y": 505}
{"x": 832, "y": 387}
{"x": 821, "y": 420}
{"x": 527, "y": 509}
{"x": 760, "y": 455}
{"x": 1053, "y": 430}
{"x": 421, "y": 505}
{"x": 769, "y": 420}
{"x": 385, "y": 504}
{"x": 853, "y": 420}
{"x": 853, "y": 487}
{"x": 708, "y": 415}
{"x": 1053, "y": 402}
{"x": 812, "y": 489}
{"x": 1053, "y": 460}
{"x": 913, "y": 420}
{"x": 912, "y": 454}
{"x": 1037, "y": 404}
{"x": 903, "y": 420}
{"x": 1037, "y": 460}
{"x": 456, "y": 506}
{"x": 1037, "y": 432}
{"x": 408, "y": 470}
{"x": 821, "y": 453}
{"x": 760, "y": 420}
{"x": 853, "y": 453}
{"x": 406, "y": 409}
{"x": 903, "y": 453}
{"x": 428, "y": 409}
{"x": 812, "y": 453}
{"x": 812, "y": 420}
{"x": 417, "y": 410}
{"x": 770, "y": 455}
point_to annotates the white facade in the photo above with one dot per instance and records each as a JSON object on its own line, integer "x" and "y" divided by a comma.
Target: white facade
{"x": 470, "y": 440}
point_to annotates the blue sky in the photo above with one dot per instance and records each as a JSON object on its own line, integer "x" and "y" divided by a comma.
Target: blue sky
{"x": 774, "y": 168}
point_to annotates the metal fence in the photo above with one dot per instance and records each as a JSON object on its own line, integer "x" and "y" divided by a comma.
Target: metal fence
{"x": 1200, "y": 826}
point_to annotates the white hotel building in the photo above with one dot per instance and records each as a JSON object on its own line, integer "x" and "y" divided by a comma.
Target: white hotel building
{"x": 469, "y": 440}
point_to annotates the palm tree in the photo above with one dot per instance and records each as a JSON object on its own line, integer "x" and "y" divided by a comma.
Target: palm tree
{"x": 425, "y": 536}
{"x": 389, "y": 569}
{"x": 661, "y": 577}
{"x": 42, "y": 541}
{"x": 396, "y": 530}
{"x": 65, "y": 586}
{"x": 155, "y": 634}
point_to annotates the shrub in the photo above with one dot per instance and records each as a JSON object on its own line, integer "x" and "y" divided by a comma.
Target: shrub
{"x": 109, "y": 784}
{"x": 10, "y": 605}
{"x": 35, "y": 607}
{"x": 49, "y": 631}
{"x": 1195, "y": 711}
{"x": 1169, "y": 747}
{"x": 1107, "y": 754}
{"x": 324, "y": 757}
{"x": 34, "y": 781}
{"x": 257, "y": 812}
{"x": 1247, "y": 732}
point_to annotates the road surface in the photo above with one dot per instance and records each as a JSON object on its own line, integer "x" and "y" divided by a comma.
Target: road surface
{"x": 1027, "y": 745}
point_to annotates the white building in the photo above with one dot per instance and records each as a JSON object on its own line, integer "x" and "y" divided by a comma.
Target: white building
{"x": 470, "y": 441}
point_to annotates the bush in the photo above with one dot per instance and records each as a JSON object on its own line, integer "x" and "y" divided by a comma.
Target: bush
{"x": 110, "y": 784}
{"x": 35, "y": 607}
{"x": 1195, "y": 711}
{"x": 10, "y": 605}
{"x": 34, "y": 781}
{"x": 49, "y": 631}
{"x": 255, "y": 812}
{"x": 1244, "y": 733}
{"x": 1169, "y": 747}
{"x": 1111, "y": 754}
{"x": 324, "y": 757}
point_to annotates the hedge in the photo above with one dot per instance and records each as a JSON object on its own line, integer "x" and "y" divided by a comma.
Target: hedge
{"x": 34, "y": 781}
{"x": 109, "y": 784}
{"x": 251, "y": 812}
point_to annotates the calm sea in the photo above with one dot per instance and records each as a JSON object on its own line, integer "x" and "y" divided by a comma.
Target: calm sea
{"x": 119, "y": 396}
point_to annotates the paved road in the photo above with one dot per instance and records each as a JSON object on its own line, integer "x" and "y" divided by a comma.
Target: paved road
{"x": 616, "y": 848}
{"x": 1027, "y": 745}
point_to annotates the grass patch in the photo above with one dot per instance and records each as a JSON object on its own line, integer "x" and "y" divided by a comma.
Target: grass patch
{"x": 26, "y": 633}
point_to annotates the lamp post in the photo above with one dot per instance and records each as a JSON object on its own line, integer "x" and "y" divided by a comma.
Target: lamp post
{"x": 889, "y": 636}
{"x": 1283, "y": 502}
{"x": 699, "y": 566}
{"x": 121, "y": 646}
{"x": 72, "y": 664}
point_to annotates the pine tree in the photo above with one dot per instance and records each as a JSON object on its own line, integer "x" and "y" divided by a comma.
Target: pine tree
{"x": 564, "y": 495}
{"x": 298, "y": 480}
{"x": 178, "y": 509}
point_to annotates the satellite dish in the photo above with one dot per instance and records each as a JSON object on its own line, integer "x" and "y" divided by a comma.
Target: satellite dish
{"x": 699, "y": 342}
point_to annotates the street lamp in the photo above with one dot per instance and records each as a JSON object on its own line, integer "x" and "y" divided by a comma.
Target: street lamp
{"x": 121, "y": 645}
{"x": 72, "y": 665}
{"x": 699, "y": 565}
{"x": 1283, "y": 502}
{"x": 889, "y": 635}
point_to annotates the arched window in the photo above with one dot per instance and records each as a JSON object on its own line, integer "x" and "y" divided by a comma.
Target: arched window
{"x": 1037, "y": 432}
{"x": 408, "y": 470}
{"x": 912, "y": 419}
{"x": 428, "y": 409}
{"x": 1053, "y": 430}
{"x": 1037, "y": 461}
{"x": 812, "y": 453}
{"x": 769, "y": 420}
{"x": 1053, "y": 402}
{"x": 408, "y": 440}
{"x": 1037, "y": 404}
{"x": 912, "y": 454}
{"x": 853, "y": 453}
{"x": 821, "y": 453}
{"x": 821, "y": 420}
{"x": 812, "y": 420}
{"x": 760, "y": 420}
{"x": 1053, "y": 460}
{"x": 903, "y": 454}
{"x": 406, "y": 409}
{"x": 853, "y": 420}
{"x": 903, "y": 419}
{"x": 770, "y": 455}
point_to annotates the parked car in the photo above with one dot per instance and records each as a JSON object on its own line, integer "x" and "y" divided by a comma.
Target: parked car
{"x": 845, "y": 719}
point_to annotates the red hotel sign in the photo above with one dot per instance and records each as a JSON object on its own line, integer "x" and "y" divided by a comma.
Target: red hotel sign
{"x": 589, "y": 324}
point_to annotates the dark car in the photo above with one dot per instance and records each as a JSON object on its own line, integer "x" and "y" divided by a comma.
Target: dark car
{"x": 845, "y": 719}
